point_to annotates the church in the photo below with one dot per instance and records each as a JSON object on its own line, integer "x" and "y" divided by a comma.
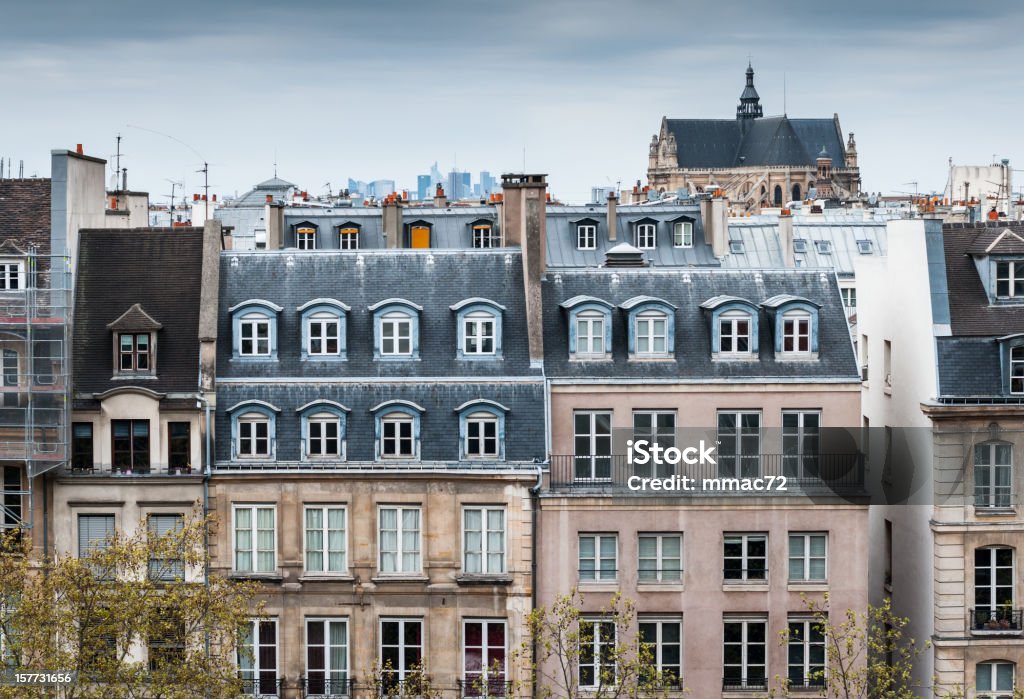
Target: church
{"x": 757, "y": 161}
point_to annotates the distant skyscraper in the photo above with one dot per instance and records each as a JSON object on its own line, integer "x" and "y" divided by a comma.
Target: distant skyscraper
{"x": 486, "y": 183}
{"x": 424, "y": 187}
{"x": 381, "y": 188}
{"x": 459, "y": 185}
{"x": 358, "y": 186}
{"x": 435, "y": 175}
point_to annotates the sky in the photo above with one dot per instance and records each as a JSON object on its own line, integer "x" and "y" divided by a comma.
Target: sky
{"x": 571, "y": 88}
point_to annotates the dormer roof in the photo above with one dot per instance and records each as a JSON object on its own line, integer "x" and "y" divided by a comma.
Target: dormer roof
{"x": 135, "y": 318}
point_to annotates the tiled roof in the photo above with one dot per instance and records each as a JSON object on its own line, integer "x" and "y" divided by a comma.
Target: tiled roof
{"x": 25, "y": 213}
{"x": 714, "y": 143}
{"x": 969, "y": 307}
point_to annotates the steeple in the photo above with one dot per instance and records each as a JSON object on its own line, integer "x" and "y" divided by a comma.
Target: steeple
{"x": 750, "y": 104}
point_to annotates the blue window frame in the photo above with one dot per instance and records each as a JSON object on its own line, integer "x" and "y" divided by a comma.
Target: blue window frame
{"x": 396, "y": 330}
{"x": 590, "y": 327}
{"x": 652, "y": 327}
{"x": 397, "y": 430}
{"x": 796, "y": 322}
{"x": 254, "y": 330}
{"x": 323, "y": 430}
{"x": 324, "y": 336}
{"x": 253, "y": 430}
{"x": 735, "y": 327}
{"x": 481, "y": 430}
{"x": 1011, "y": 362}
{"x": 479, "y": 328}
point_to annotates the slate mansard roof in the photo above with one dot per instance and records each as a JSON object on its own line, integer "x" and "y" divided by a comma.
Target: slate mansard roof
{"x": 158, "y": 269}
{"x": 450, "y": 227}
{"x": 687, "y": 289}
{"x": 25, "y": 213}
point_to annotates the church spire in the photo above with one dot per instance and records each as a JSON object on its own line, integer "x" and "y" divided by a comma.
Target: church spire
{"x": 750, "y": 103}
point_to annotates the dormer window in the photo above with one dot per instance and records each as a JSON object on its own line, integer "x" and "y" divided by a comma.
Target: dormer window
{"x": 396, "y": 325}
{"x": 865, "y": 247}
{"x": 305, "y": 238}
{"x": 736, "y": 247}
{"x": 590, "y": 327}
{"x": 682, "y": 234}
{"x": 734, "y": 327}
{"x": 1010, "y": 279}
{"x": 254, "y": 327}
{"x": 796, "y": 326}
{"x": 323, "y": 430}
{"x": 253, "y": 428}
{"x": 1011, "y": 355}
{"x": 348, "y": 237}
{"x": 796, "y": 332}
{"x": 478, "y": 326}
{"x": 482, "y": 430}
{"x": 255, "y": 336}
{"x": 586, "y": 236}
{"x": 133, "y": 351}
{"x": 799, "y": 245}
{"x": 1017, "y": 370}
{"x": 398, "y": 429}
{"x": 323, "y": 329}
{"x": 12, "y": 275}
{"x": 645, "y": 236}
{"x": 734, "y": 332}
{"x": 824, "y": 247}
{"x": 651, "y": 327}
{"x": 485, "y": 236}
{"x": 650, "y": 332}
{"x": 135, "y": 342}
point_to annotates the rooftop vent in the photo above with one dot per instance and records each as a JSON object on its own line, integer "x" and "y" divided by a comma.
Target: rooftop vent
{"x": 799, "y": 245}
{"x": 864, "y": 247}
{"x": 625, "y": 255}
{"x": 736, "y": 247}
{"x": 824, "y": 246}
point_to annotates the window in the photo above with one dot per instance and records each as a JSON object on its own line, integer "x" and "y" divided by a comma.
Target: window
{"x": 396, "y": 335}
{"x": 179, "y": 447}
{"x": 397, "y": 439}
{"x": 257, "y": 658}
{"x": 165, "y": 569}
{"x": 254, "y": 326}
{"x": 796, "y": 333}
{"x": 305, "y": 238}
{"x": 808, "y": 554}
{"x": 736, "y": 247}
{"x": 81, "y": 446}
{"x": 586, "y": 236}
{"x": 401, "y": 651}
{"x": 682, "y": 234}
{"x": 865, "y": 247}
{"x": 396, "y": 329}
{"x": 323, "y": 436}
{"x": 11, "y": 376}
{"x": 255, "y": 538}
{"x": 130, "y": 445}
{"x": 734, "y": 332}
{"x": 650, "y": 333}
{"x": 849, "y": 298}
{"x": 590, "y": 327}
{"x": 481, "y": 435}
{"x": 327, "y": 645}
{"x": 656, "y": 427}
{"x": 323, "y": 329}
{"x": 598, "y": 557}
{"x": 994, "y": 681}
{"x": 824, "y": 247}
{"x": 485, "y": 236}
{"x": 663, "y": 640}
{"x": 660, "y": 558}
{"x": 590, "y": 333}
{"x": 483, "y": 540}
{"x": 12, "y": 277}
{"x": 478, "y": 334}
{"x": 166, "y": 642}
{"x": 255, "y": 340}
{"x": 993, "y": 590}
{"x": 743, "y": 658}
{"x": 739, "y": 444}
{"x": 133, "y": 352}
{"x": 799, "y": 245}
{"x": 324, "y": 335}
{"x": 645, "y": 236}
{"x": 597, "y": 653}
{"x": 1009, "y": 279}
{"x": 801, "y": 442}
{"x": 746, "y": 557}
{"x": 651, "y": 327}
{"x": 993, "y": 476}
{"x": 478, "y": 324}
{"x": 253, "y": 436}
{"x": 94, "y": 533}
{"x": 348, "y": 238}
{"x": 326, "y": 543}
{"x": 483, "y": 654}
{"x": 592, "y": 446}
{"x": 805, "y": 645}
{"x": 400, "y": 540}
{"x": 1017, "y": 370}
{"x": 260, "y": 238}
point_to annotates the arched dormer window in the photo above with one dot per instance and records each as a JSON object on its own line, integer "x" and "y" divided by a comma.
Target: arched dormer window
{"x": 1011, "y": 362}
{"x": 323, "y": 430}
{"x": 484, "y": 234}
{"x": 590, "y": 327}
{"x": 254, "y": 329}
{"x": 586, "y": 233}
{"x": 796, "y": 326}
{"x": 348, "y": 236}
{"x": 418, "y": 234}
{"x": 323, "y": 329}
{"x": 651, "y": 327}
{"x": 734, "y": 327}
{"x": 253, "y": 430}
{"x": 478, "y": 327}
{"x": 482, "y": 430}
{"x": 645, "y": 234}
{"x": 305, "y": 236}
{"x": 396, "y": 329}
{"x": 397, "y": 430}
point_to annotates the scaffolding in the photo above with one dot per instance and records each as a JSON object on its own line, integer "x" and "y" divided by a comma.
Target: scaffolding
{"x": 35, "y": 389}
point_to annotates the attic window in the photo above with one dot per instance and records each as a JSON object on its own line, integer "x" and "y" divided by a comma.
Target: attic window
{"x": 484, "y": 236}
{"x": 736, "y": 247}
{"x": 305, "y": 238}
{"x": 1010, "y": 279}
{"x": 12, "y": 276}
{"x": 800, "y": 245}
{"x": 824, "y": 246}
{"x": 348, "y": 238}
{"x": 865, "y": 247}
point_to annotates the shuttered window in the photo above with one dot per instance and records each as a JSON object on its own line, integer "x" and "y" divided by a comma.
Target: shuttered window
{"x": 166, "y": 569}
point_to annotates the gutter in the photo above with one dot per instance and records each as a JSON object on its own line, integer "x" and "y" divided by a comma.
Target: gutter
{"x": 200, "y": 398}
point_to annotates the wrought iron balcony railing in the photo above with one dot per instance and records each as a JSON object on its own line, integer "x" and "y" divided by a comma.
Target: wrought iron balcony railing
{"x": 318, "y": 687}
{"x": 997, "y": 620}
{"x": 262, "y": 687}
{"x": 480, "y": 688}
{"x": 744, "y": 684}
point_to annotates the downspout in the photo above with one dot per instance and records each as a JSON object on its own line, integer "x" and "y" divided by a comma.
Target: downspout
{"x": 206, "y": 509}
{"x": 534, "y": 510}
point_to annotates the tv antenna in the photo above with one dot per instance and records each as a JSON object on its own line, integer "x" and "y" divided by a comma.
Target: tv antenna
{"x": 205, "y": 169}
{"x": 171, "y": 210}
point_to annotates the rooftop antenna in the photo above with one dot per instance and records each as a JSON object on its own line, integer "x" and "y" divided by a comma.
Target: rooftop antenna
{"x": 524, "y": 160}
{"x": 206, "y": 165}
{"x": 170, "y": 213}
{"x": 784, "y": 110}
{"x": 275, "y": 163}
{"x": 328, "y": 185}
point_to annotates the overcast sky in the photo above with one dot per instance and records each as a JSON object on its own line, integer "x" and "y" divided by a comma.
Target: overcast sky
{"x": 381, "y": 90}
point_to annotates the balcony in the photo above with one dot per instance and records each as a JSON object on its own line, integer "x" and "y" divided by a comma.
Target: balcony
{"x": 323, "y": 688}
{"x": 744, "y": 684}
{"x": 266, "y": 687}
{"x": 481, "y": 688}
{"x": 758, "y": 474}
{"x": 83, "y": 468}
{"x": 1003, "y": 621}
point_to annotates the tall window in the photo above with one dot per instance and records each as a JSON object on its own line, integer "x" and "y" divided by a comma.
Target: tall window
{"x": 324, "y": 334}
{"x": 483, "y": 653}
{"x": 746, "y": 557}
{"x": 590, "y": 333}
{"x": 586, "y": 236}
{"x": 481, "y": 435}
{"x": 734, "y": 332}
{"x": 993, "y": 476}
{"x": 1009, "y": 279}
{"x": 10, "y": 276}
{"x": 81, "y": 446}
{"x": 133, "y": 352}
{"x": 255, "y": 538}
{"x": 739, "y": 444}
{"x": 9, "y": 359}
{"x": 994, "y": 680}
{"x": 398, "y": 436}
{"x": 401, "y": 650}
{"x": 660, "y": 558}
{"x": 305, "y": 238}
{"x": 598, "y": 556}
{"x": 94, "y": 533}
{"x": 650, "y": 331}
{"x": 399, "y": 540}
{"x": 801, "y": 442}
{"x": 796, "y": 333}
{"x": 130, "y": 440}
{"x": 744, "y": 659}
{"x": 656, "y": 427}
{"x": 805, "y": 644}
{"x": 179, "y": 447}
{"x": 646, "y": 238}
{"x": 327, "y": 647}
{"x": 348, "y": 238}
{"x": 1017, "y": 369}
{"x": 592, "y": 445}
{"x": 326, "y": 544}
{"x": 484, "y": 236}
{"x": 257, "y": 658}
{"x": 165, "y": 568}
{"x": 993, "y": 589}
{"x": 483, "y": 540}
{"x": 682, "y": 234}
{"x": 478, "y": 333}
{"x": 254, "y": 329}
{"x": 663, "y": 639}
{"x": 324, "y": 435}
{"x": 849, "y": 298}
{"x": 808, "y": 555}
{"x": 253, "y": 436}
{"x": 597, "y": 666}
{"x": 396, "y": 334}
{"x": 166, "y": 642}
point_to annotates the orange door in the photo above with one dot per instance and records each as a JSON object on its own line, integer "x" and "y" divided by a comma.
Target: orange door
{"x": 420, "y": 237}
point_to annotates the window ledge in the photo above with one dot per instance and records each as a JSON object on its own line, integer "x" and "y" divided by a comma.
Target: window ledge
{"x": 783, "y": 357}
{"x": 326, "y": 577}
{"x": 133, "y": 377}
{"x": 652, "y": 358}
{"x": 599, "y": 585}
{"x": 400, "y": 578}
{"x": 479, "y": 357}
{"x": 251, "y": 575}
{"x": 994, "y": 511}
{"x": 324, "y": 358}
{"x": 807, "y": 586}
{"x": 644, "y": 586}
{"x": 483, "y": 579}
{"x": 740, "y": 586}
{"x": 396, "y": 359}
{"x": 719, "y": 357}
{"x": 590, "y": 358}
{"x": 246, "y": 360}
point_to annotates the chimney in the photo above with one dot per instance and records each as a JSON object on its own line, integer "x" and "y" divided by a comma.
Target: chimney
{"x": 524, "y": 223}
{"x": 714, "y": 214}
{"x": 208, "y": 290}
{"x": 440, "y": 200}
{"x": 786, "y": 237}
{"x": 391, "y": 213}
{"x": 274, "y": 217}
{"x": 613, "y": 216}
{"x": 124, "y": 179}
{"x": 78, "y": 149}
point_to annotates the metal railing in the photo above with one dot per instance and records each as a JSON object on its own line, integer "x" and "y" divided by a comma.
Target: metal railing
{"x": 598, "y": 574}
{"x": 481, "y": 688}
{"x": 659, "y": 575}
{"x": 262, "y": 688}
{"x": 94, "y": 469}
{"x": 744, "y": 684}
{"x": 325, "y": 688}
{"x": 998, "y": 620}
{"x": 807, "y": 684}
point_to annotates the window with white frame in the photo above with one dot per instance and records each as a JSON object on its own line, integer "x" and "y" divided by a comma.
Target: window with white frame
{"x": 481, "y": 435}
{"x": 994, "y": 589}
{"x": 478, "y": 330}
{"x": 305, "y": 238}
{"x": 598, "y": 557}
{"x": 483, "y": 659}
{"x": 254, "y": 338}
{"x": 325, "y": 536}
{"x": 805, "y": 644}
{"x": 682, "y": 234}
{"x": 744, "y": 653}
{"x": 1010, "y": 279}
{"x": 327, "y": 658}
{"x": 134, "y": 352}
{"x": 660, "y": 558}
{"x": 590, "y": 333}
{"x": 485, "y": 236}
{"x": 348, "y": 238}
{"x": 12, "y": 276}
{"x": 801, "y": 443}
{"x": 663, "y": 641}
{"x": 808, "y": 557}
{"x": 95, "y": 532}
{"x": 597, "y": 657}
{"x": 397, "y": 436}
{"x": 323, "y": 436}
{"x": 993, "y": 475}
{"x": 396, "y": 334}
{"x": 739, "y": 443}
{"x": 734, "y": 332}
{"x": 257, "y": 658}
{"x": 994, "y": 680}
{"x": 164, "y": 526}
{"x": 253, "y": 436}
{"x": 1017, "y": 370}
{"x": 592, "y": 445}
{"x": 324, "y": 336}
{"x": 849, "y": 298}
{"x": 645, "y": 236}
{"x": 655, "y": 427}
{"x": 586, "y": 236}
{"x": 650, "y": 333}
{"x": 745, "y": 557}
{"x": 255, "y": 536}
{"x": 399, "y": 540}
{"x": 796, "y": 332}
{"x": 483, "y": 540}
{"x": 401, "y": 652}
